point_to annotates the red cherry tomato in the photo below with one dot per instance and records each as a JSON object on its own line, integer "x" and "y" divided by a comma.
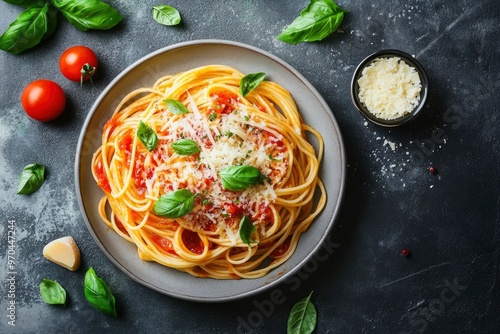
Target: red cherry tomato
{"x": 78, "y": 63}
{"x": 43, "y": 100}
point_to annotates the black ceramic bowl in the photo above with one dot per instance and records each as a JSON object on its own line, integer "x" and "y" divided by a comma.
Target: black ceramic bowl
{"x": 411, "y": 61}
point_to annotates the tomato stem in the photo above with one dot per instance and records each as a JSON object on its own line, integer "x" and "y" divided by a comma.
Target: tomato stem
{"x": 87, "y": 71}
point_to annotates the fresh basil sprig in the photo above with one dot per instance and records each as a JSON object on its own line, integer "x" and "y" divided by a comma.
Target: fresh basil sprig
{"x": 247, "y": 228}
{"x": 175, "y": 204}
{"x": 166, "y": 15}
{"x": 30, "y": 27}
{"x": 185, "y": 147}
{"x": 250, "y": 81}
{"x": 31, "y": 179}
{"x": 176, "y": 107}
{"x": 303, "y": 317}
{"x": 241, "y": 177}
{"x": 147, "y": 136}
{"x": 39, "y": 20}
{"x": 318, "y": 20}
{"x": 52, "y": 292}
{"x": 88, "y": 14}
{"x": 98, "y": 294}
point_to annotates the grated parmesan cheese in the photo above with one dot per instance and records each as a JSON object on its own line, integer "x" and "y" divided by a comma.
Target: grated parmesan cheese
{"x": 230, "y": 139}
{"x": 389, "y": 88}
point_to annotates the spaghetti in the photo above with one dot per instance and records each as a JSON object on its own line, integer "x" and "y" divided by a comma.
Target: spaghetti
{"x": 207, "y": 181}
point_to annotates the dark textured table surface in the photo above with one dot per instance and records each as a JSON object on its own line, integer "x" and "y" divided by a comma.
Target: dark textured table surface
{"x": 448, "y": 220}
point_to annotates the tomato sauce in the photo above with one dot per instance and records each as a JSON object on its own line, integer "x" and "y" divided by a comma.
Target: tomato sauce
{"x": 164, "y": 243}
{"x": 277, "y": 143}
{"x": 225, "y": 102}
{"x": 281, "y": 250}
{"x": 120, "y": 226}
{"x": 112, "y": 123}
{"x": 102, "y": 179}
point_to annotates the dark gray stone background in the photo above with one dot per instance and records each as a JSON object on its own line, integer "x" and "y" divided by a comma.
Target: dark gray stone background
{"x": 449, "y": 221}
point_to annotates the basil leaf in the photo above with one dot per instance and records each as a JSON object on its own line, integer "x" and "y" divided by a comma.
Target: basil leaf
{"x": 51, "y": 22}
{"x": 318, "y": 20}
{"x": 52, "y": 292}
{"x": 98, "y": 293}
{"x": 185, "y": 147}
{"x": 250, "y": 81}
{"x": 247, "y": 228}
{"x": 147, "y": 136}
{"x": 27, "y": 3}
{"x": 175, "y": 204}
{"x": 31, "y": 179}
{"x": 30, "y": 27}
{"x": 166, "y": 15}
{"x": 88, "y": 14}
{"x": 241, "y": 177}
{"x": 176, "y": 107}
{"x": 302, "y": 318}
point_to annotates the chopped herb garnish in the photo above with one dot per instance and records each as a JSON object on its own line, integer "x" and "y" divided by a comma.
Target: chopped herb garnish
{"x": 273, "y": 159}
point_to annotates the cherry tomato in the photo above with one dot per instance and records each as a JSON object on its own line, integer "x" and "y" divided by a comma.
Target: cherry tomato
{"x": 43, "y": 100}
{"x": 78, "y": 63}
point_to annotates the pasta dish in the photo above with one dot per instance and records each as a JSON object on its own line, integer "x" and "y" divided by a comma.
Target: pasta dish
{"x": 211, "y": 172}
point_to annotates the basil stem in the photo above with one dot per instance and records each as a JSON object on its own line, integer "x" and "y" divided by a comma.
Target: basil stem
{"x": 247, "y": 228}
{"x": 52, "y": 292}
{"x": 176, "y": 107}
{"x": 88, "y": 14}
{"x": 98, "y": 293}
{"x": 250, "y": 81}
{"x": 31, "y": 179}
{"x": 147, "y": 136}
{"x": 175, "y": 204}
{"x": 185, "y": 147}
{"x": 318, "y": 20}
{"x": 30, "y": 27}
{"x": 166, "y": 15}
{"x": 241, "y": 177}
{"x": 302, "y": 318}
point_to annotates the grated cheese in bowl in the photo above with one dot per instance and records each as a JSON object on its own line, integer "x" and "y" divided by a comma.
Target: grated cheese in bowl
{"x": 389, "y": 88}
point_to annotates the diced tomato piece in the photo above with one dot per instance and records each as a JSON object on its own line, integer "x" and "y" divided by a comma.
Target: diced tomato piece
{"x": 192, "y": 241}
{"x": 264, "y": 213}
{"x": 208, "y": 181}
{"x": 233, "y": 209}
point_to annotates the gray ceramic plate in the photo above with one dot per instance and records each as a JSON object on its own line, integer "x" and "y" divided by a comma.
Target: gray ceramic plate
{"x": 181, "y": 57}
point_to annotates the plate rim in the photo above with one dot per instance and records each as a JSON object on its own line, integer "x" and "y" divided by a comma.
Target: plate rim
{"x": 331, "y": 220}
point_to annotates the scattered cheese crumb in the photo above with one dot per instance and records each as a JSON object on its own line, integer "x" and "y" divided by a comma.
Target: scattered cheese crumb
{"x": 64, "y": 252}
{"x": 389, "y": 88}
{"x": 390, "y": 143}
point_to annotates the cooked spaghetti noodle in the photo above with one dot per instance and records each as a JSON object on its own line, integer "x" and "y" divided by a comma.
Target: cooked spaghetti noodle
{"x": 263, "y": 130}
